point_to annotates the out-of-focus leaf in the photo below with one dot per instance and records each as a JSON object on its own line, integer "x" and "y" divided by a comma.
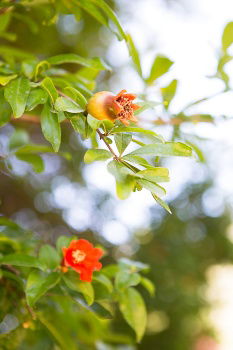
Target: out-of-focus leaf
{"x": 125, "y": 280}
{"x": 124, "y": 178}
{"x": 227, "y": 37}
{"x": 93, "y": 155}
{"x": 49, "y": 256}
{"x": 62, "y": 338}
{"x": 18, "y": 138}
{"x": 33, "y": 148}
{"x": 21, "y": 260}
{"x": 72, "y": 281}
{"x": 16, "y": 93}
{"x": 134, "y": 311}
{"x": 38, "y": 284}
{"x": 152, "y": 187}
{"x": 93, "y": 11}
{"x": 32, "y": 25}
{"x": 134, "y": 266}
{"x": 122, "y": 141}
{"x": 148, "y": 285}
{"x": 168, "y": 93}
{"x": 8, "y": 324}
{"x": 50, "y": 127}
{"x": 34, "y": 160}
{"x": 104, "y": 280}
{"x": 95, "y": 63}
{"x": 49, "y": 87}
{"x": 5, "y": 79}
{"x": 162, "y": 203}
{"x": 62, "y": 242}
{"x": 63, "y": 104}
{"x": 134, "y": 53}
{"x": 5, "y": 20}
{"x": 5, "y": 110}
{"x": 165, "y": 150}
{"x": 160, "y": 66}
{"x": 36, "y": 97}
{"x": 112, "y": 17}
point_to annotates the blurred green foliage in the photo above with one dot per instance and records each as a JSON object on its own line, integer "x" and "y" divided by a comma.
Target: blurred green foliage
{"x": 179, "y": 248}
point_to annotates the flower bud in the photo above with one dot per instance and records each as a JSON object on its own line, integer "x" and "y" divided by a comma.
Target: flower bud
{"x": 106, "y": 105}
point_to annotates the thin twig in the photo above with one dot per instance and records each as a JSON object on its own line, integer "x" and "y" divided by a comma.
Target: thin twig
{"x": 102, "y": 137}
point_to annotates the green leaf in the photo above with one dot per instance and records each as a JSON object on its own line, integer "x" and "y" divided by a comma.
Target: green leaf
{"x": 5, "y": 21}
{"x": 124, "y": 178}
{"x": 152, "y": 187}
{"x": 73, "y": 282}
{"x": 168, "y": 93}
{"x": 64, "y": 104}
{"x": 38, "y": 284}
{"x": 134, "y": 53}
{"x": 49, "y": 87}
{"x": 93, "y": 155}
{"x": 93, "y": 11}
{"x": 165, "y": 150}
{"x": 40, "y": 68}
{"x": 112, "y": 17}
{"x": 133, "y": 129}
{"x": 160, "y": 66}
{"x": 8, "y": 324}
{"x": 95, "y": 63}
{"x": 49, "y": 257}
{"x": 21, "y": 260}
{"x": 93, "y": 122}
{"x": 122, "y": 141}
{"x": 36, "y": 97}
{"x": 138, "y": 160}
{"x": 5, "y": 110}
{"x": 125, "y": 280}
{"x": 50, "y": 127}
{"x": 16, "y": 93}
{"x": 76, "y": 96}
{"x": 5, "y": 79}
{"x": 157, "y": 174}
{"x": 227, "y": 37}
{"x": 134, "y": 266}
{"x": 162, "y": 203}
{"x": 134, "y": 311}
{"x": 104, "y": 280}
{"x": 34, "y": 160}
{"x": 18, "y": 138}
{"x": 148, "y": 285}
{"x": 33, "y": 148}
{"x": 62, "y": 242}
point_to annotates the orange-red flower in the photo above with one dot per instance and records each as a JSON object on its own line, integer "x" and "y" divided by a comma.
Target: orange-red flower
{"x": 82, "y": 257}
{"x": 105, "y": 105}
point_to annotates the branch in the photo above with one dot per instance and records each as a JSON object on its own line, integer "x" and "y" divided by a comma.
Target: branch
{"x": 102, "y": 137}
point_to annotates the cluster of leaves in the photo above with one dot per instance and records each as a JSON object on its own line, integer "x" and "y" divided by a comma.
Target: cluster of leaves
{"x": 39, "y": 276}
{"x": 53, "y": 91}
{"x": 32, "y": 88}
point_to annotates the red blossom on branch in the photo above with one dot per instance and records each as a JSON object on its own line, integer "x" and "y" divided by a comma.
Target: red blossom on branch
{"x": 82, "y": 257}
{"x": 106, "y": 105}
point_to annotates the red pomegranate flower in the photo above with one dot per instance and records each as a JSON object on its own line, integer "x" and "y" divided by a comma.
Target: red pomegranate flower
{"x": 105, "y": 105}
{"x": 82, "y": 257}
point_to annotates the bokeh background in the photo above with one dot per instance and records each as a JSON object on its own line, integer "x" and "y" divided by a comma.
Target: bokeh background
{"x": 190, "y": 252}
